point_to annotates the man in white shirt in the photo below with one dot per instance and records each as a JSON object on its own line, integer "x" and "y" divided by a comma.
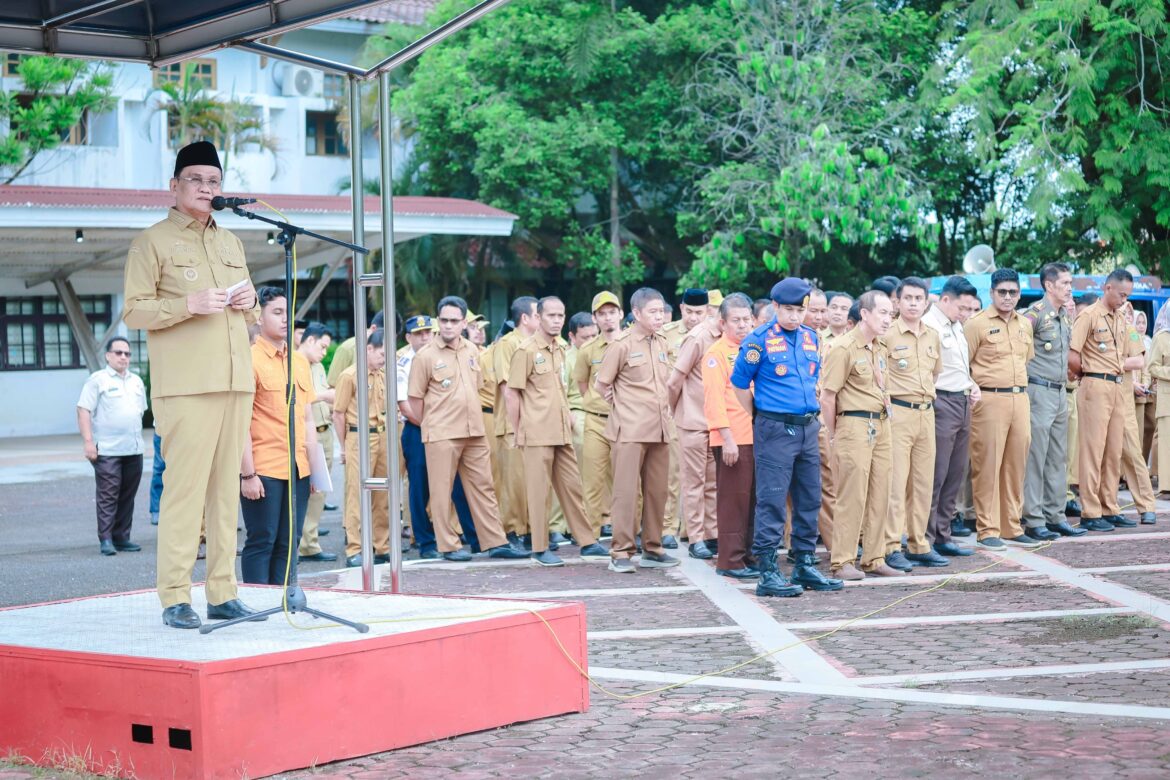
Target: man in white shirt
{"x": 109, "y": 416}
{"x": 956, "y": 395}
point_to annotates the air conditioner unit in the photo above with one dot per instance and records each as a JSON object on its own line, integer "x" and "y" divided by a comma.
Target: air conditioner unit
{"x": 297, "y": 81}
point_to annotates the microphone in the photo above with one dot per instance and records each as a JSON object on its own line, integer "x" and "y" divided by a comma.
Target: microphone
{"x": 219, "y": 202}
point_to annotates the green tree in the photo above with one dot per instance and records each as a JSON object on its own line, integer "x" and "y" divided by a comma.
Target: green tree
{"x": 808, "y": 111}
{"x": 55, "y": 95}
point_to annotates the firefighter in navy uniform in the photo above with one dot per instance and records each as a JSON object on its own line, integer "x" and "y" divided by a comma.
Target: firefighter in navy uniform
{"x": 782, "y": 359}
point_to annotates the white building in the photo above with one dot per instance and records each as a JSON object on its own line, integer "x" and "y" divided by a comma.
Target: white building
{"x": 66, "y": 222}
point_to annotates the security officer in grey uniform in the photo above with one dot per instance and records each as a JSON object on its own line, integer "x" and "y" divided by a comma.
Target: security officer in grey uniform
{"x": 1045, "y": 480}
{"x": 781, "y": 358}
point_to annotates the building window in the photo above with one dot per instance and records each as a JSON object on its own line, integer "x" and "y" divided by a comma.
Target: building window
{"x": 202, "y": 69}
{"x": 322, "y": 136}
{"x": 334, "y": 87}
{"x": 12, "y": 64}
{"x": 334, "y": 308}
{"x": 36, "y": 335}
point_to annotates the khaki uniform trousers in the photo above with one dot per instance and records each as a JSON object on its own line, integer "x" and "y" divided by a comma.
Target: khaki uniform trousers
{"x": 470, "y": 458}
{"x": 1133, "y": 461}
{"x": 863, "y": 491}
{"x": 202, "y": 443}
{"x": 513, "y": 506}
{"x": 1162, "y": 440}
{"x": 912, "y": 456}
{"x": 1046, "y": 475}
{"x": 672, "y": 519}
{"x": 596, "y": 472}
{"x": 1103, "y": 408}
{"x": 1074, "y": 457}
{"x": 1001, "y": 432}
{"x": 555, "y": 467}
{"x": 379, "y": 508}
{"x": 638, "y": 467}
{"x": 828, "y": 489}
{"x": 310, "y": 542}
{"x": 1147, "y": 424}
{"x": 697, "y": 477}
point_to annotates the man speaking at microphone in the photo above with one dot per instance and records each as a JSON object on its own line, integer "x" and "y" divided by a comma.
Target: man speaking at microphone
{"x": 187, "y": 285}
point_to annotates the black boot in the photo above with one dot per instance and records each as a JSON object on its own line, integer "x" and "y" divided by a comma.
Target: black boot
{"x": 772, "y": 582}
{"x": 806, "y": 574}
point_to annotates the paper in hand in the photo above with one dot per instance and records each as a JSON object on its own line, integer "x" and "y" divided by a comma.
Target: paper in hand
{"x": 236, "y": 288}
{"x": 319, "y": 477}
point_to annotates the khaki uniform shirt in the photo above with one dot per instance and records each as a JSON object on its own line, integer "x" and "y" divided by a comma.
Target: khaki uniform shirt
{"x": 674, "y": 333}
{"x": 689, "y": 413}
{"x": 345, "y": 399}
{"x": 1102, "y": 338}
{"x": 189, "y": 354}
{"x": 322, "y": 414}
{"x": 537, "y": 373}
{"x": 585, "y": 370}
{"x": 1051, "y": 329}
{"x": 447, "y": 379}
{"x": 1000, "y": 349}
{"x": 343, "y": 357}
{"x": 914, "y": 360}
{"x": 502, "y": 352}
{"x": 856, "y": 372}
{"x": 576, "y": 400}
{"x": 487, "y": 385}
{"x": 637, "y": 368}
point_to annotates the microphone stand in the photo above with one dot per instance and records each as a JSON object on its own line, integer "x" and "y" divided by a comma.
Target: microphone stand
{"x": 294, "y": 597}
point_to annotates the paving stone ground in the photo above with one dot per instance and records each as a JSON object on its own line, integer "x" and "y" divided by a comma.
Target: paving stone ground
{"x": 792, "y": 715}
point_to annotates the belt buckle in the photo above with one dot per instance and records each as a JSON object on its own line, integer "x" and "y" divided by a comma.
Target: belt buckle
{"x": 1116, "y": 380}
{"x": 1015, "y": 389}
{"x": 923, "y": 407}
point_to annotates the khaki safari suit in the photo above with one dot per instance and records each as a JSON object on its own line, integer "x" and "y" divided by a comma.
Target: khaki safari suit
{"x": 512, "y": 500}
{"x": 1001, "y": 428}
{"x": 596, "y": 460}
{"x": 696, "y": 457}
{"x": 1158, "y": 365}
{"x": 545, "y": 439}
{"x": 914, "y": 362}
{"x": 856, "y": 371}
{"x": 202, "y": 388}
{"x": 323, "y": 419}
{"x": 828, "y": 456}
{"x": 1133, "y": 460}
{"x": 345, "y": 403}
{"x": 447, "y": 378}
{"x": 640, "y": 431}
{"x": 1046, "y": 478}
{"x": 674, "y": 334}
{"x": 1102, "y": 339}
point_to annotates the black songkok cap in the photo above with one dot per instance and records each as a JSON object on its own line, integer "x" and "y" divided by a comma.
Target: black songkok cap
{"x": 198, "y": 153}
{"x": 695, "y": 296}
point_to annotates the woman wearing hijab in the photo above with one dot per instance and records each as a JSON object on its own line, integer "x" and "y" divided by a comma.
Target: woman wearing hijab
{"x": 1158, "y": 366}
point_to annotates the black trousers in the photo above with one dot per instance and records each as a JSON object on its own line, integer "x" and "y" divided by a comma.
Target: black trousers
{"x": 117, "y": 478}
{"x": 266, "y": 522}
{"x": 788, "y": 462}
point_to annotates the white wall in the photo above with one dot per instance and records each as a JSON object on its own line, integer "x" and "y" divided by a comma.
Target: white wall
{"x": 40, "y": 403}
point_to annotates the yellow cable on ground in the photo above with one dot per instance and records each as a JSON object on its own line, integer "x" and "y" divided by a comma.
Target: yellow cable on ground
{"x": 690, "y": 680}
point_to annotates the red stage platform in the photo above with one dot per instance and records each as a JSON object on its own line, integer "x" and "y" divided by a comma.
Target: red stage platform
{"x": 102, "y": 680}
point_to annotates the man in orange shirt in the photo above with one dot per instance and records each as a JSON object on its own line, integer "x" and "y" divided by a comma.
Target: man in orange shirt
{"x": 730, "y": 428}
{"x": 266, "y": 476}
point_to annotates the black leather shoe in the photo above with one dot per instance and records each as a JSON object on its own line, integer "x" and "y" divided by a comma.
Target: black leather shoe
{"x": 507, "y": 551}
{"x": 1117, "y": 521}
{"x": 1064, "y": 529}
{"x": 548, "y": 558}
{"x": 772, "y": 582}
{"x": 181, "y": 616}
{"x": 429, "y": 555}
{"x": 107, "y": 547}
{"x": 323, "y": 531}
{"x": 526, "y": 539}
{"x": 793, "y": 557}
{"x": 382, "y": 558}
{"x": 595, "y": 550}
{"x": 557, "y": 538}
{"x": 321, "y": 556}
{"x": 127, "y": 546}
{"x": 959, "y": 527}
{"x": 669, "y": 542}
{"x": 952, "y": 549}
{"x": 353, "y": 561}
{"x": 1096, "y": 524}
{"x": 700, "y": 550}
{"x": 929, "y": 559}
{"x": 606, "y": 531}
{"x": 459, "y": 556}
{"x": 806, "y": 575}
{"x": 1072, "y": 508}
{"x": 746, "y": 573}
{"x": 897, "y": 560}
{"x": 229, "y": 610}
{"x": 514, "y": 538}
{"x": 713, "y": 546}
{"x": 1041, "y": 534}
{"x": 1149, "y": 518}
{"x": 330, "y": 508}
{"x": 1023, "y": 540}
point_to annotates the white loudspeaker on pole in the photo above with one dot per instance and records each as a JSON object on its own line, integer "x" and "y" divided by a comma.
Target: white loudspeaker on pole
{"x": 980, "y": 259}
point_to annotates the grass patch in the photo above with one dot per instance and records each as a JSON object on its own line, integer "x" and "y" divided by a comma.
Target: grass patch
{"x": 1083, "y": 628}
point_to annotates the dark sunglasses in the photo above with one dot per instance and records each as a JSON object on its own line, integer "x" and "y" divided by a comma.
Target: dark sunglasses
{"x": 120, "y": 352}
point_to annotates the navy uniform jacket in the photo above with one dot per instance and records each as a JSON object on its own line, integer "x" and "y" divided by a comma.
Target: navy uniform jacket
{"x": 784, "y": 365}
